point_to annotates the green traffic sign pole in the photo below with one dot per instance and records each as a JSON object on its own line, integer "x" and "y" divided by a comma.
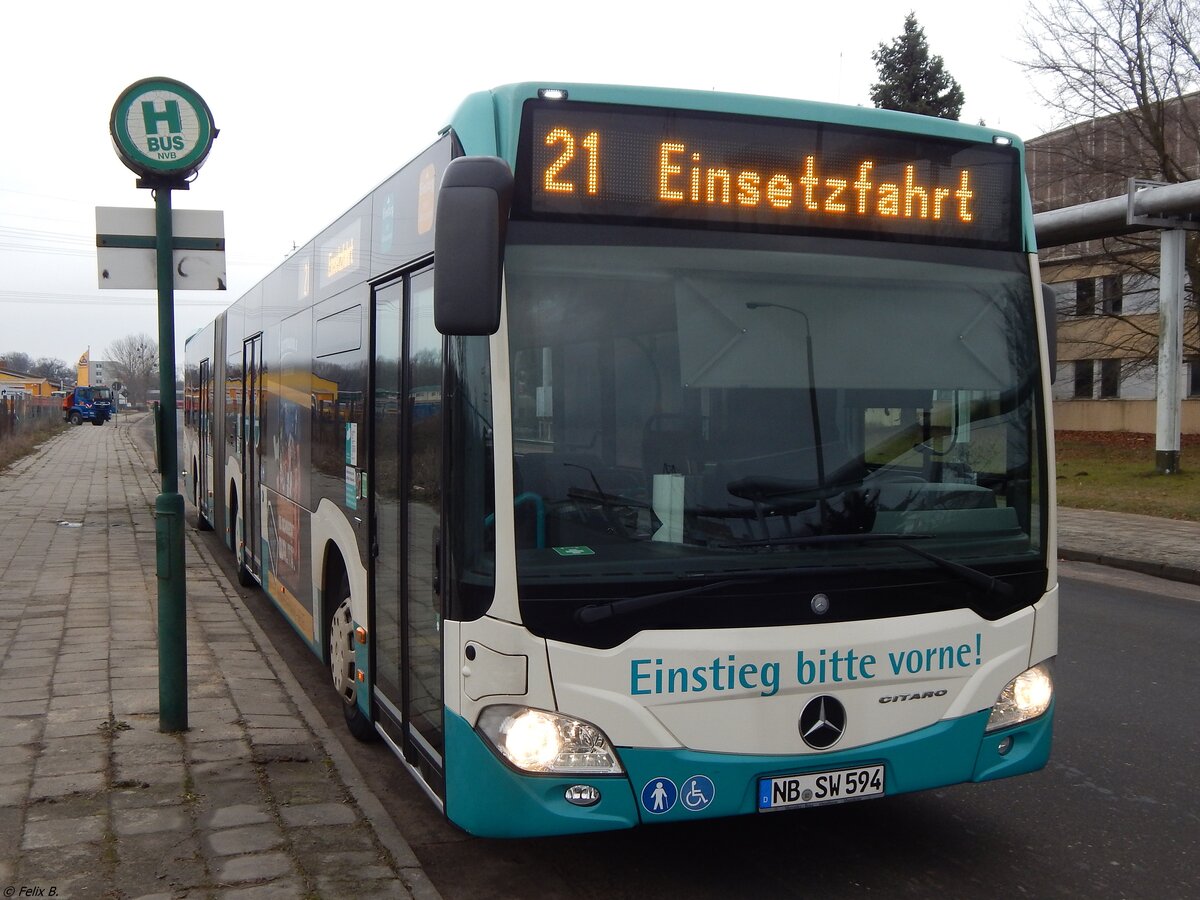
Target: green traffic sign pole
{"x": 162, "y": 130}
{"x": 168, "y": 506}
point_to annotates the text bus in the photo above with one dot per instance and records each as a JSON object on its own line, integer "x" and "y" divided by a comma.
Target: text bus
{"x": 637, "y": 455}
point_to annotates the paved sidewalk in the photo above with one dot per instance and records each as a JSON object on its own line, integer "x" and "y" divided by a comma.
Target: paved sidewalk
{"x": 255, "y": 800}
{"x": 1162, "y": 547}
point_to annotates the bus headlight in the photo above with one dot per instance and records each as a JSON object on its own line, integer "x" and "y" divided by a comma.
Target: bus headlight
{"x": 1025, "y": 697}
{"x": 534, "y": 740}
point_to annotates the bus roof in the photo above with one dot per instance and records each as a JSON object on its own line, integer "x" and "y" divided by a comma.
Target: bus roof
{"x": 487, "y": 122}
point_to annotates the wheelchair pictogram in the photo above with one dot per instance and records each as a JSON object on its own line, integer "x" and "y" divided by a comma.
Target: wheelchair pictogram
{"x": 697, "y": 793}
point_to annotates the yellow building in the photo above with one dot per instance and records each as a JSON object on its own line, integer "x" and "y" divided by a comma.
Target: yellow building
{"x": 36, "y": 385}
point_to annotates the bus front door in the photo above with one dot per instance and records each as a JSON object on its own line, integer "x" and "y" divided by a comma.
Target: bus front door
{"x": 406, "y": 438}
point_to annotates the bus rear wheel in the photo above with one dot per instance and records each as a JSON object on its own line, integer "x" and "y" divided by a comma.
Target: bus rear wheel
{"x": 344, "y": 671}
{"x": 245, "y": 579}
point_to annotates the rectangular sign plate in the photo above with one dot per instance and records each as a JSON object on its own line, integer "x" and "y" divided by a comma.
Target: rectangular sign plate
{"x": 126, "y": 259}
{"x": 816, "y": 788}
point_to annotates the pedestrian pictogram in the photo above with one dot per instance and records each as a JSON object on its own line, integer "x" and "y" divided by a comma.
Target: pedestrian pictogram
{"x": 659, "y": 795}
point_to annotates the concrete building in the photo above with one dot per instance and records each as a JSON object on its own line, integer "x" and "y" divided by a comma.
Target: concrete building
{"x": 102, "y": 372}
{"x": 1108, "y": 289}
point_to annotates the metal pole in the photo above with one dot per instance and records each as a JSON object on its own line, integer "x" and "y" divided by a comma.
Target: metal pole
{"x": 1169, "y": 394}
{"x": 168, "y": 506}
{"x": 1109, "y": 218}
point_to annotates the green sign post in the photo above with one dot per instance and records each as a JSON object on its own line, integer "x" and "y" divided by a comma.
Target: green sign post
{"x": 163, "y": 130}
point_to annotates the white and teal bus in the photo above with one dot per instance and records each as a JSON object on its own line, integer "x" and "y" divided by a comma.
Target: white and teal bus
{"x": 638, "y": 456}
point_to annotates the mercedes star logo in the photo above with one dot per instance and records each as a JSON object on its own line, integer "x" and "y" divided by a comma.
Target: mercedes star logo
{"x": 823, "y": 722}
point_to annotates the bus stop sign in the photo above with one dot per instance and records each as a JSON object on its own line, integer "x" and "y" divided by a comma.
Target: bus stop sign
{"x": 162, "y": 129}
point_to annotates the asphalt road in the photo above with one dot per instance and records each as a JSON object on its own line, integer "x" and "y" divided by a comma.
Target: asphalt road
{"x": 1115, "y": 814}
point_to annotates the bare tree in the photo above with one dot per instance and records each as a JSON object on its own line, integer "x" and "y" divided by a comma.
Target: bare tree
{"x": 1128, "y": 59}
{"x": 53, "y": 369}
{"x": 135, "y": 359}
{"x": 1118, "y": 74}
{"x": 15, "y": 361}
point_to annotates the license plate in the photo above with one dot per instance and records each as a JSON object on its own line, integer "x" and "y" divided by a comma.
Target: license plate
{"x": 815, "y": 788}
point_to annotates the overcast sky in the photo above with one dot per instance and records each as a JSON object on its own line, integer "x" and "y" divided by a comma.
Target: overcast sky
{"x": 319, "y": 102}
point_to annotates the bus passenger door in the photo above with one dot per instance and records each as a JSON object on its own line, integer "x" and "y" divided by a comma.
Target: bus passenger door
{"x": 406, "y": 439}
{"x": 252, "y": 408}
{"x": 204, "y": 458}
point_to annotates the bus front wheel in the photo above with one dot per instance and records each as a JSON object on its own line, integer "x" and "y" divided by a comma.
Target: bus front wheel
{"x": 343, "y": 670}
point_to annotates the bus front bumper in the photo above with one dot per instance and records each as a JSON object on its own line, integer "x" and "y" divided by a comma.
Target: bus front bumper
{"x": 486, "y": 797}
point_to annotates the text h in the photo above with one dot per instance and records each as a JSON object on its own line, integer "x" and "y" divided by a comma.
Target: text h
{"x": 170, "y": 115}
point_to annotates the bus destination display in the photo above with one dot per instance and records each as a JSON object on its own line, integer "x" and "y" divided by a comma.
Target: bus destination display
{"x": 757, "y": 174}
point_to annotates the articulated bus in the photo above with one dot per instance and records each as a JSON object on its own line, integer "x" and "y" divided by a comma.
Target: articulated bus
{"x": 639, "y": 456}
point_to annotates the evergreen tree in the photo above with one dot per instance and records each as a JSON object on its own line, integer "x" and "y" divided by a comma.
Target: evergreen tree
{"x": 911, "y": 80}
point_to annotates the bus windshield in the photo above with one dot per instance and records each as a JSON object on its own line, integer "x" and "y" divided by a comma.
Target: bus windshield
{"x": 707, "y": 413}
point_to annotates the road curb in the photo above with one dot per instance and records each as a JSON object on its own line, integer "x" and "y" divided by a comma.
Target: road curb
{"x": 1141, "y": 566}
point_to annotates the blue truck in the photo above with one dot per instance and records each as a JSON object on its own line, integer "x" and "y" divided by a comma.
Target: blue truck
{"x": 88, "y": 404}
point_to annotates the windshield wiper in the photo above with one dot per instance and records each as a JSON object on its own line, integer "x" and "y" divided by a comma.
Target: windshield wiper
{"x": 985, "y": 582}
{"x": 598, "y": 612}
{"x": 815, "y": 540}
{"x": 619, "y": 500}
{"x": 605, "y": 499}
{"x": 971, "y": 576}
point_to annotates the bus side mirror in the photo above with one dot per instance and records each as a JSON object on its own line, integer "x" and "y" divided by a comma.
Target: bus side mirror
{"x": 468, "y": 246}
{"x": 1050, "y": 313}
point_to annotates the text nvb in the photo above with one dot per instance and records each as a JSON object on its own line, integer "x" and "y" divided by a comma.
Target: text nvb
{"x": 655, "y": 676}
